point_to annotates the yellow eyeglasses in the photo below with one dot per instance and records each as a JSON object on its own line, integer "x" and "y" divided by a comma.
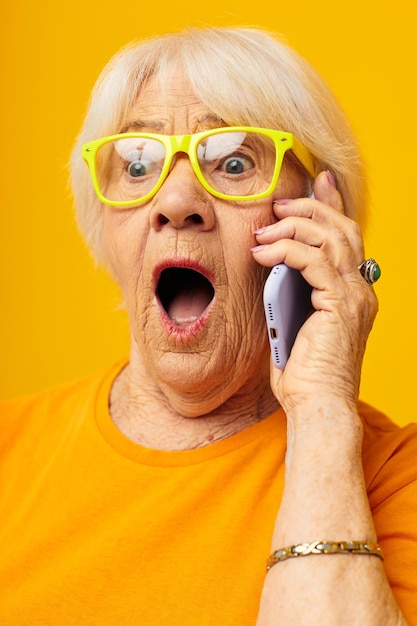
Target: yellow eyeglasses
{"x": 239, "y": 163}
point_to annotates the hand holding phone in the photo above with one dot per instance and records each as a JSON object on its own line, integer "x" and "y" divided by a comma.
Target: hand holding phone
{"x": 287, "y": 302}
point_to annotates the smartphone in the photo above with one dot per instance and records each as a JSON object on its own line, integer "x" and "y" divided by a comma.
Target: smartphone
{"x": 287, "y": 302}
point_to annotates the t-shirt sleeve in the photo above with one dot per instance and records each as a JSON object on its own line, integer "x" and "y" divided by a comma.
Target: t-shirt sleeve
{"x": 390, "y": 465}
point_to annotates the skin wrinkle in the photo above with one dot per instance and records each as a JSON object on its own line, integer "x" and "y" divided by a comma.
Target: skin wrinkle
{"x": 252, "y": 313}
{"x": 187, "y": 377}
{"x": 194, "y": 247}
{"x": 172, "y": 430}
{"x": 170, "y": 383}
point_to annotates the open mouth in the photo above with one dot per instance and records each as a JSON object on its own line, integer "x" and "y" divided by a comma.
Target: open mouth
{"x": 184, "y": 293}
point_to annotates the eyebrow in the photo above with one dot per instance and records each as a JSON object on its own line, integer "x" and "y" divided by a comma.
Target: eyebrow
{"x": 206, "y": 121}
{"x": 139, "y": 125}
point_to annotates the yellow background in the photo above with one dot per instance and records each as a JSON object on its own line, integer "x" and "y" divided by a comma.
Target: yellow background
{"x": 59, "y": 317}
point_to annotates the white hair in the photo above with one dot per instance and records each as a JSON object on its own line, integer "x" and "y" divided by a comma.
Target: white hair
{"x": 244, "y": 76}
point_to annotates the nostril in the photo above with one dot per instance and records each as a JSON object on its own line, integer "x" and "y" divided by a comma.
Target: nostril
{"x": 194, "y": 218}
{"x": 162, "y": 219}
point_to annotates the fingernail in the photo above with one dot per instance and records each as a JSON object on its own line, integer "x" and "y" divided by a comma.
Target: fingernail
{"x": 331, "y": 178}
{"x": 258, "y": 248}
{"x": 259, "y": 231}
{"x": 283, "y": 201}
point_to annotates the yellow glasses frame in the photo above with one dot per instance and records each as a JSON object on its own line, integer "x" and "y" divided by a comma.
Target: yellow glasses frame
{"x": 187, "y": 144}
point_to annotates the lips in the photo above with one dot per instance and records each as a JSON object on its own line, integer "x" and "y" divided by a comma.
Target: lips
{"x": 184, "y": 292}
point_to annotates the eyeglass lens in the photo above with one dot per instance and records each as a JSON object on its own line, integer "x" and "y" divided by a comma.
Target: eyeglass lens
{"x": 233, "y": 163}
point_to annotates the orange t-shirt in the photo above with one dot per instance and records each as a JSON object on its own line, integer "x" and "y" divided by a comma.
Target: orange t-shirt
{"x": 97, "y": 530}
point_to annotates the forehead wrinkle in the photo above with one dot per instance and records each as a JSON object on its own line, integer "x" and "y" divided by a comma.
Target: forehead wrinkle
{"x": 170, "y": 107}
{"x": 141, "y": 125}
{"x": 204, "y": 122}
{"x": 210, "y": 120}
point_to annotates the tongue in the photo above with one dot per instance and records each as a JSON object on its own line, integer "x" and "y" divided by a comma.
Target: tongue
{"x": 188, "y": 305}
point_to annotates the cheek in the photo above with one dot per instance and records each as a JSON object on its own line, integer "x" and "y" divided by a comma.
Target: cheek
{"x": 247, "y": 338}
{"x": 246, "y": 218}
{"x": 245, "y": 277}
{"x": 246, "y": 280}
{"x": 124, "y": 241}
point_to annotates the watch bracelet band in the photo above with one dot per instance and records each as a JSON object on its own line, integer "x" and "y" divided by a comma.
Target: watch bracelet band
{"x": 370, "y": 548}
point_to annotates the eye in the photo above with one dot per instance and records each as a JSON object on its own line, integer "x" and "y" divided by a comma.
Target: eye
{"x": 237, "y": 165}
{"x": 136, "y": 169}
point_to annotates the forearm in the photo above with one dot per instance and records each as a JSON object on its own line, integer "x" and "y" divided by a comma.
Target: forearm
{"x": 324, "y": 494}
{"x": 325, "y": 499}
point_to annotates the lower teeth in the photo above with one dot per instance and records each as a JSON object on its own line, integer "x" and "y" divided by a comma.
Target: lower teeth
{"x": 184, "y": 321}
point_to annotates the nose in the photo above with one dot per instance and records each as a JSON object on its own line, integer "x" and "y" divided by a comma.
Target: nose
{"x": 182, "y": 202}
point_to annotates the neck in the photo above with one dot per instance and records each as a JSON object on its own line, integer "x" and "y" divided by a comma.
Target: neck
{"x": 152, "y": 416}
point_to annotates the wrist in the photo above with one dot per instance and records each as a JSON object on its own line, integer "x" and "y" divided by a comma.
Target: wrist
{"x": 329, "y": 423}
{"x": 324, "y": 493}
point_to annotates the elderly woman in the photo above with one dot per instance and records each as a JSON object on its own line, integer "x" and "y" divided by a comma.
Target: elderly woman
{"x": 154, "y": 492}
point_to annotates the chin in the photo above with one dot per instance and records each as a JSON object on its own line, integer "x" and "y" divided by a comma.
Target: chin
{"x": 192, "y": 373}
{"x": 195, "y": 386}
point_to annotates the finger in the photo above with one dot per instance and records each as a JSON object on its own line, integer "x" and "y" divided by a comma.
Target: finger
{"x": 333, "y": 241}
{"x": 337, "y": 226}
{"x": 340, "y": 238}
{"x": 293, "y": 253}
{"x": 301, "y": 229}
{"x": 320, "y": 265}
{"x": 310, "y": 208}
{"x": 325, "y": 190}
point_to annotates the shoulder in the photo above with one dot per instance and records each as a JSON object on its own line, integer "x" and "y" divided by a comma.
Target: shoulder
{"x": 42, "y": 408}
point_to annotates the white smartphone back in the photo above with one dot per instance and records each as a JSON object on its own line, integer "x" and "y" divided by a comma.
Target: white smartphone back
{"x": 287, "y": 302}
